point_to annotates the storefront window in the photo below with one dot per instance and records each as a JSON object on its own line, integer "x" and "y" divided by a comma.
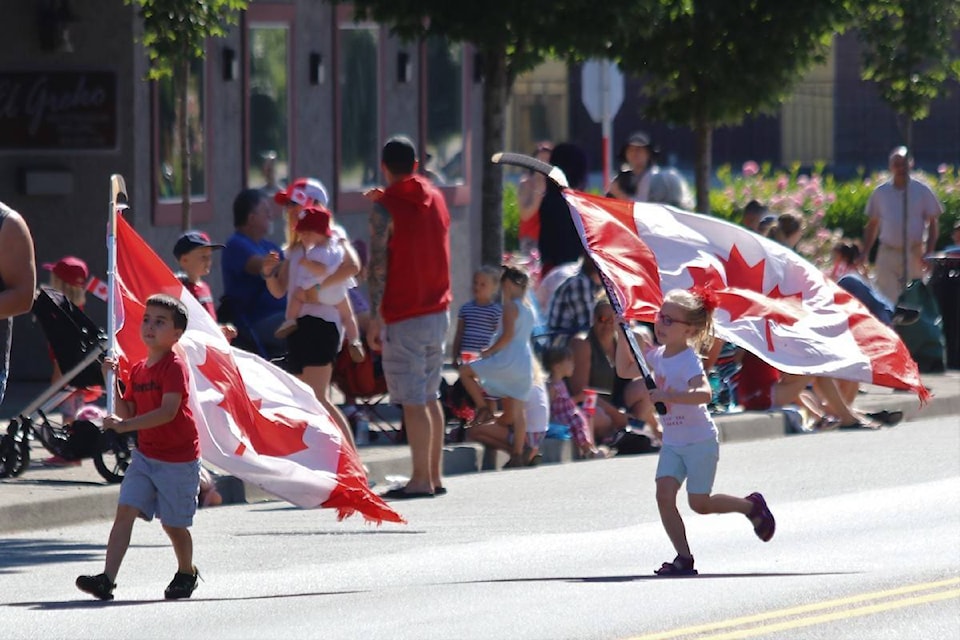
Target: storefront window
{"x": 359, "y": 100}
{"x": 444, "y": 159}
{"x": 169, "y": 174}
{"x": 268, "y": 65}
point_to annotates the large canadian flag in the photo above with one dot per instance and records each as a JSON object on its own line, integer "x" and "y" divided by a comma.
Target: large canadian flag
{"x": 256, "y": 421}
{"x": 771, "y": 301}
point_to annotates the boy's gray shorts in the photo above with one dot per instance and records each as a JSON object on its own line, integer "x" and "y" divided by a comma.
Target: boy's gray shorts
{"x": 165, "y": 489}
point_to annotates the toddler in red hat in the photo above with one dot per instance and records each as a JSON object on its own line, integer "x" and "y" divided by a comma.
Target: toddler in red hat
{"x": 321, "y": 258}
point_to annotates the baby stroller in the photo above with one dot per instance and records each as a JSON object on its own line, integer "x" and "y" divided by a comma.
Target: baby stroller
{"x": 78, "y": 346}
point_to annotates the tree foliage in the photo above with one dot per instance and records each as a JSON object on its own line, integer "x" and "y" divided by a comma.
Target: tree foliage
{"x": 707, "y": 63}
{"x": 511, "y": 37}
{"x": 910, "y": 51}
{"x": 174, "y": 30}
{"x": 174, "y": 35}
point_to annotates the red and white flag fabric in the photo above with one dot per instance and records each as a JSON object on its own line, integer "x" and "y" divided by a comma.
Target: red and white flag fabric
{"x": 256, "y": 421}
{"x": 97, "y": 288}
{"x": 771, "y": 301}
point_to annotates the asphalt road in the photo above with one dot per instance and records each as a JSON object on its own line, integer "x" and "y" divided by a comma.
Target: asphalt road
{"x": 867, "y": 546}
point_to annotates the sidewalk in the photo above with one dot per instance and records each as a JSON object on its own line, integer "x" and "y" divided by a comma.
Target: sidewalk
{"x": 46, "y": 498}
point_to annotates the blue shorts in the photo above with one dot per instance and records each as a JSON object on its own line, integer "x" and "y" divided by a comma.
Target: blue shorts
{"x": 165, "y": 489}
{"x": 696, "y": 463}
{"x": 413, "y": 357}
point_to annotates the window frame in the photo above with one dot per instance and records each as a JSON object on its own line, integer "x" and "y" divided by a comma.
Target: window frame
{"x": 170, "y": 213}
{"x": 271, "y": 14}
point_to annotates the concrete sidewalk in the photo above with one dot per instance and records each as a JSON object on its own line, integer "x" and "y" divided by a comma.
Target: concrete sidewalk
{"x": 45, "y": 498}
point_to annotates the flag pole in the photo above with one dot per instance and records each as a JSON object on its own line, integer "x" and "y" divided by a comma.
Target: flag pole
{"x": 556, "y": 175}
{"x": 118, "y": 202}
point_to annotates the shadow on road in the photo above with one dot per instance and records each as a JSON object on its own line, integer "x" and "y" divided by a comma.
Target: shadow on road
{"x": 99, "y": 604}
{"x": 19, "y": 553}
{"x": 604, "y": 579}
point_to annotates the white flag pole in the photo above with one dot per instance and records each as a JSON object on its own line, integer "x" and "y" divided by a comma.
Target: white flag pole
{"x": 118, "y": 202}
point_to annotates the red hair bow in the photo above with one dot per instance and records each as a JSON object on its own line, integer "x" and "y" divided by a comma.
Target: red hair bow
{"x": 707, "y": 297}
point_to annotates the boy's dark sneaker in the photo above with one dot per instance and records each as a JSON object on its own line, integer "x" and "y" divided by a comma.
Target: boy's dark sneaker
{"x": 182, "y": 585}
{"x": 98, "y": 586}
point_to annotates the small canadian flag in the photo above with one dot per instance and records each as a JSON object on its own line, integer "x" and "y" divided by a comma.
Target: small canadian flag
{"x": 97, "y": 288}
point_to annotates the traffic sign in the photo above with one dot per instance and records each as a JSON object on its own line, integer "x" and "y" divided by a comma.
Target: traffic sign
{"x": 602, "y": 89}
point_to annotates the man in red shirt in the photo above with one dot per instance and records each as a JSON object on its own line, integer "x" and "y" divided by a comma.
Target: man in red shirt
{"x": 409, "y": 285}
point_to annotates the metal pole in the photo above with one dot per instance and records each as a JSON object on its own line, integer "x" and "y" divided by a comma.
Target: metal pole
{"x": 118, "y": 201}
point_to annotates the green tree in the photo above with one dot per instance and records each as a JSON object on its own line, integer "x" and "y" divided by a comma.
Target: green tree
{"x": 708, "y": 63}
{"x": 910, "y": 52}
{"x": 511, "y": 37}
{"x": 174, "y": 35}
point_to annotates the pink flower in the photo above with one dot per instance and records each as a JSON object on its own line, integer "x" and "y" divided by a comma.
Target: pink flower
{"x": 782, "y": 183}
{"x": 942, "y": 168}
{"x": 750, "y": 168}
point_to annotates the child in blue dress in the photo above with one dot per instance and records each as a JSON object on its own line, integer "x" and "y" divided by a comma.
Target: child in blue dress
{"x": 505, "y": 368}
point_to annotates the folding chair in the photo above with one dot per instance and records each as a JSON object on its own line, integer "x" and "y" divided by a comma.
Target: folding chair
{"x": 365, "y": 383}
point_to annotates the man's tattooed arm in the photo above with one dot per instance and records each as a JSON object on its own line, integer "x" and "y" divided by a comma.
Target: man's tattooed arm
{"x": 377, "y": 266}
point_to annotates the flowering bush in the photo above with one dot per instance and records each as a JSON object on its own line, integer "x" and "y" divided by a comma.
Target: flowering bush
{"x": 830, "y": 209}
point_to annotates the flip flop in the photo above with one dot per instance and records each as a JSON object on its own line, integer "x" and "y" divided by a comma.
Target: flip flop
{"x": 887, "y": 418}
{"x": 400, "y": 494}
{"x": 439, "y": 491}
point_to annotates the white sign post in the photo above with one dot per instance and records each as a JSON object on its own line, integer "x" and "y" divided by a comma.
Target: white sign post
{"x": 602, "y": 95}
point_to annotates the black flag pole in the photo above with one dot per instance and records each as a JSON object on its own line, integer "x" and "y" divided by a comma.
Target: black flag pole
{"x": 556, "y": 175}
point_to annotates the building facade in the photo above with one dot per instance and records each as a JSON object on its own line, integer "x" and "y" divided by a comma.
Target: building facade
{"x": 297, "y": 88}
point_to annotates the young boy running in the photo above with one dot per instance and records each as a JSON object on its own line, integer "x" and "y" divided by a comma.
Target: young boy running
{"x": 164, "y": 475}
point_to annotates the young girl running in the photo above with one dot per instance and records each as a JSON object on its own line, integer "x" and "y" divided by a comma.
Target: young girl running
{"x": 690, "y": 448}
{"x": 505, "y": 368}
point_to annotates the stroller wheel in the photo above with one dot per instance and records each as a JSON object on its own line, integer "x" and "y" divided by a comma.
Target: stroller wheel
{"x": 14, "y": 451}
{"x": 114, "y": 456}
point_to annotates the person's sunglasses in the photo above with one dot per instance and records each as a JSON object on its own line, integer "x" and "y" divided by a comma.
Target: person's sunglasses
{"x": 668, "y": 321}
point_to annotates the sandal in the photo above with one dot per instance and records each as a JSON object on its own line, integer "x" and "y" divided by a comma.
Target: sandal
{"x": 515, "y": 462}
{"x": 680, "y": 566}
{"x": 481, "y": 416}
{"x": 764, "y": 524}
{"x": 355, "y": 348}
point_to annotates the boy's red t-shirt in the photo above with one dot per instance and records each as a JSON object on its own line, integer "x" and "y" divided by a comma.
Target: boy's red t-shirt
{"x": 201, "y": 291}
{"x": 177, "y": 440}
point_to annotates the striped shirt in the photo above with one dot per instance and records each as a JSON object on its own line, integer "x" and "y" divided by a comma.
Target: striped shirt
{"x": 479, "y": 324}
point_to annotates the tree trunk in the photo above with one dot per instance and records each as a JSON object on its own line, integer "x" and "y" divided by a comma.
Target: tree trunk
{"x": 495, "y": 87}
{"x": 181, "y": 85}
{"x": 703, "y": 133}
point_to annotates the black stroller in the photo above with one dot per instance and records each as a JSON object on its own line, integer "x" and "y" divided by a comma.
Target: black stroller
{"x": 78, "y": 346}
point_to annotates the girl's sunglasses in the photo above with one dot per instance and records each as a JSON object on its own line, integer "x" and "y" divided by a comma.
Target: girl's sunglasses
{"x": 668, "y": 321}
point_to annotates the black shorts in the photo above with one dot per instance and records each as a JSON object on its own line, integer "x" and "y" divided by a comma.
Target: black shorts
{"x": 315, "y": 343}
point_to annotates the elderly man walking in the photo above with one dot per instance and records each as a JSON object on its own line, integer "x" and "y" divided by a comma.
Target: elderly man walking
{"x": 903, "y": 239}
{"x": 409, "y": 285}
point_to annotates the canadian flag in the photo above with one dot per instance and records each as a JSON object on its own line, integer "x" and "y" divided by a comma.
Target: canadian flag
{"x": 256, "y": 421}
{"x": 98, "y": 288}
{"x": 771, "y": 301}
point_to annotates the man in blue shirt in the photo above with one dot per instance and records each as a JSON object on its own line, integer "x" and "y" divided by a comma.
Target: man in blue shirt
{"x": 251, "y": 307}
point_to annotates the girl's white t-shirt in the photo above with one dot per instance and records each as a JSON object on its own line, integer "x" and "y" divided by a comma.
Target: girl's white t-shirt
{"x": 682, "y": 423}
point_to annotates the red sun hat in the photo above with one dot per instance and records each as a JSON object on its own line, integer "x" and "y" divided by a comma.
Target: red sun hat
{"x": 316, "y": 219}
{"x": 70, "y": 269}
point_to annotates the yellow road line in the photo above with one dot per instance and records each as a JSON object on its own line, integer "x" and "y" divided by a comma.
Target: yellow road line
{"x": 792, "y": 611}
{"x": 839, "y": 615}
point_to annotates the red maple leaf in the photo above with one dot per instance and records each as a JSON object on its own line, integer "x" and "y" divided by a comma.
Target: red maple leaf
{"x": 740, "y": 275}
{"x": 278, "y": 436}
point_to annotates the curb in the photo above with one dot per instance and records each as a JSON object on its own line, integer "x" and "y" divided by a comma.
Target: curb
{"x": 75, "y": 501}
